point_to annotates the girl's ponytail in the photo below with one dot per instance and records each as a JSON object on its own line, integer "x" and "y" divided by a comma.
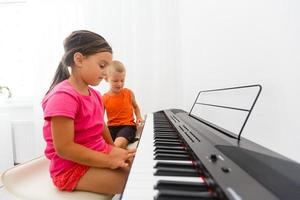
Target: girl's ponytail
{"x": 62, "y": 73}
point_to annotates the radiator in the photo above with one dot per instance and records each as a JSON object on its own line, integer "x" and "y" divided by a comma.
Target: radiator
{"x": 23, "y": 140}
{"x": 6, "y": 147}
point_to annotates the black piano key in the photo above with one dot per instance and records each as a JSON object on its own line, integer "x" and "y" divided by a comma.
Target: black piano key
{"x": 174, "y": 151}
{"x": 171, "y": 136}
{"x": 158, "y": 147}
{"x": 163, "y": 125}
{"x": 162, "y": 128}
{"x": 161, "y": 121}
{"x": 172, "y": 171}
{"x": 174, "y": 164}
{"x": 166, "y": 137}
{"x": 166, "y": 140}
{"x": 165, "y": 131}
{"x": 183, "y": 195}
{"x": 167, "y": 156}
{"x": 168, "y": 143}
{"x": 180, "y": 185}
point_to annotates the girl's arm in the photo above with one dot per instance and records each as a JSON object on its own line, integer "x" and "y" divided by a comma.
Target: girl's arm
{"x": 106, "y": 133}
{"x": 63, "y": 139}
{"x": 137, "y": 111}
{"x": 107, "y": 136}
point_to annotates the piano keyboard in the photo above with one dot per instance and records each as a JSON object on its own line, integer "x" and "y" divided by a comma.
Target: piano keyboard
{"x": 180, "y": 158}
{"x": 163, "y": 169}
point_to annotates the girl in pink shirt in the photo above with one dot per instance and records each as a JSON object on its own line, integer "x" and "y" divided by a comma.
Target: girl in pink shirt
{"x": 79, "y": 145}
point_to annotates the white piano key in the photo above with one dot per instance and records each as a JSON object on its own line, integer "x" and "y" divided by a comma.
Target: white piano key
{"x": 154, "y": 179}
{"x": 138, "y": 194}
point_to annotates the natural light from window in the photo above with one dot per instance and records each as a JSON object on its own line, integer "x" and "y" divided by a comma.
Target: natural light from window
{"x": 15, "y": 69}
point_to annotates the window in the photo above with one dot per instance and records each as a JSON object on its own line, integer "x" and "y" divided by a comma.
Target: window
{"x": 15, "y": 68}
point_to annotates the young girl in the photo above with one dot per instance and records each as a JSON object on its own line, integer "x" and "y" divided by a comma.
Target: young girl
{"x": 119, "y": 104}
{"x": 79, "y": 146}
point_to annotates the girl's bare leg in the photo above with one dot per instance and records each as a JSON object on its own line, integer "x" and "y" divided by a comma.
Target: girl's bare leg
{"x": 105, "y": 181}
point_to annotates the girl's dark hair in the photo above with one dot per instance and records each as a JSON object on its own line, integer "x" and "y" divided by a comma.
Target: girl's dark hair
{"x": 82, "y": 41}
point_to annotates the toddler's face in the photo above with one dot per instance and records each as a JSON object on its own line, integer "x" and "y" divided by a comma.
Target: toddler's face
{"x": 116, "y": 81}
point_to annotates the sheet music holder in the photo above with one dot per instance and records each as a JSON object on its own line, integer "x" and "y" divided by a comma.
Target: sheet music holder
{"x": 235, "y": 102}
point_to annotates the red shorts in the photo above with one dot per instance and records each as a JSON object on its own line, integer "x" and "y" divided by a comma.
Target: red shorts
{"x": 68, "y": 180}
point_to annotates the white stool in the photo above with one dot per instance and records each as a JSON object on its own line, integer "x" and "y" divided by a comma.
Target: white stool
{"x": 31, "y": 181}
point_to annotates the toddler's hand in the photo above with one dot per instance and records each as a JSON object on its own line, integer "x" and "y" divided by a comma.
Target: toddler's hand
{"x": 139, "y": 122}
{"x": 120, "y": 157}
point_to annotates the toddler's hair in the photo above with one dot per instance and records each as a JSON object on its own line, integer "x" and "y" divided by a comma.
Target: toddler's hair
{"x": 116, "y": 66}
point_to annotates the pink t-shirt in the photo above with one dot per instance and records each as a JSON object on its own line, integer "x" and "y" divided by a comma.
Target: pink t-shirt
{"x": 87, "y": 113}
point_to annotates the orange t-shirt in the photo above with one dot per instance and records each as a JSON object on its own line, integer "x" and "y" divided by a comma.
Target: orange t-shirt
{"x": 119, "y": 108}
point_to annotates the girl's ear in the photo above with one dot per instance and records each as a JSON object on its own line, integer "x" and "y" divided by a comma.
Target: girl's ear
{"x": 78, "y": 58}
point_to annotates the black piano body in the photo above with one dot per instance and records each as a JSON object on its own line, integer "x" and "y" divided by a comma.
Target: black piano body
{"x": 241, "y": 168}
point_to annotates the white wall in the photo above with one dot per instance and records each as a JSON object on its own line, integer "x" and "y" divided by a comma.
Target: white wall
{"x": 174, "y": 48}
{"x": 231, "y": 43}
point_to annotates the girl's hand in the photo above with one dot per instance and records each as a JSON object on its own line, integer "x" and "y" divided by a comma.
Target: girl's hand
{"x": 120, "y": 157}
